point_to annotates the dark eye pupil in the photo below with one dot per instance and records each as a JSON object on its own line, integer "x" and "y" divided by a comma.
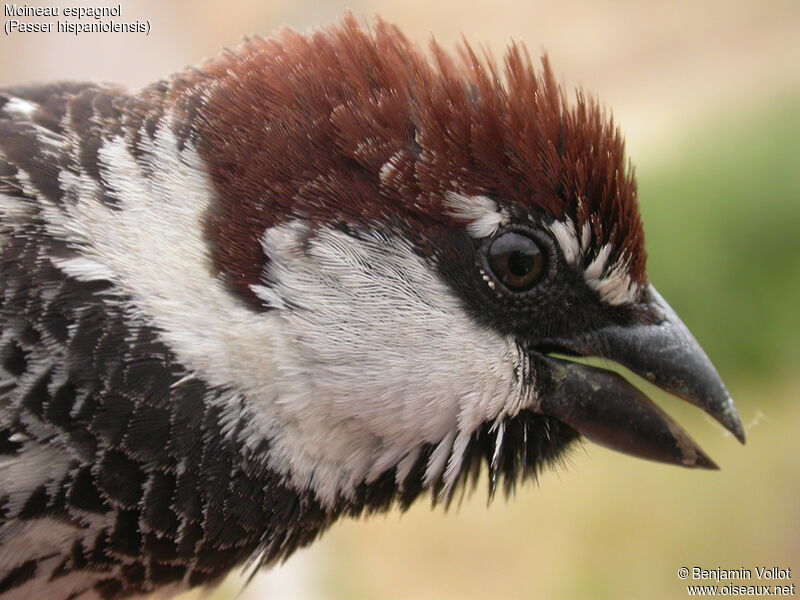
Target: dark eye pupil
{"x": 520, "y": 263}
{"x": 516, "y": 260}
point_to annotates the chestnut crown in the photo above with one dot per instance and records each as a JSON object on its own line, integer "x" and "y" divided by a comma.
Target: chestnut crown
{"x": 357, "y": 125}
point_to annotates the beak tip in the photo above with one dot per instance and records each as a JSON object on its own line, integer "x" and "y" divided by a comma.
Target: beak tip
{"x": 732, "y": 422}
{"x": 738, "y": 433}
{"x": 703, "y": 461}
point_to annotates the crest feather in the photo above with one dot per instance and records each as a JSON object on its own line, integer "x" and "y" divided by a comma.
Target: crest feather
{"x": 358, "y": 124}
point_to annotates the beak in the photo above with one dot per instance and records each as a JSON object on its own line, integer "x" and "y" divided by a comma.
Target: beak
{"x": 608, "y": 410}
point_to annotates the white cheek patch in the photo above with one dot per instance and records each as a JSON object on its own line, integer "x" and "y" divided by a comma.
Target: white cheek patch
{"x": 612, "y": 283}
{"x": 482, "y": 213}
{"x": 378, "y": 358}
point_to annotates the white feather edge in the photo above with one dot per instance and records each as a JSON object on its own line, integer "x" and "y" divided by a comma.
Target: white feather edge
{"x": 612, "y": 283}
{"x": 481, "y": 213}
{"x": 19, "y": 107}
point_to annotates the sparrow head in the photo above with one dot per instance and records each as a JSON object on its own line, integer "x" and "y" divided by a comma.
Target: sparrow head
{"x": 430, "y": 240}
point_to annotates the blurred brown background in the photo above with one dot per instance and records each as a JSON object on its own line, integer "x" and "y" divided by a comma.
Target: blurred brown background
{"x": 708, "y": 95}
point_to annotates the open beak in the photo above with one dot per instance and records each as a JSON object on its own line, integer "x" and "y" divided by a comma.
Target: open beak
{"x": 606, "y": 409}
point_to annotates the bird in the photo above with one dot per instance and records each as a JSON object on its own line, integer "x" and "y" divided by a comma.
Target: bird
{"x": 318, "y": 276}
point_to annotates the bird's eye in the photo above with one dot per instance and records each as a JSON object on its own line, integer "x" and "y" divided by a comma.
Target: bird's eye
{"x": 516, "y": 260}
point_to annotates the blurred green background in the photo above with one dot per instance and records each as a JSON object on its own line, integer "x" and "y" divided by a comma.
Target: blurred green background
{"x": 722, "y": 217}
{"x": 708, "y": 95}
